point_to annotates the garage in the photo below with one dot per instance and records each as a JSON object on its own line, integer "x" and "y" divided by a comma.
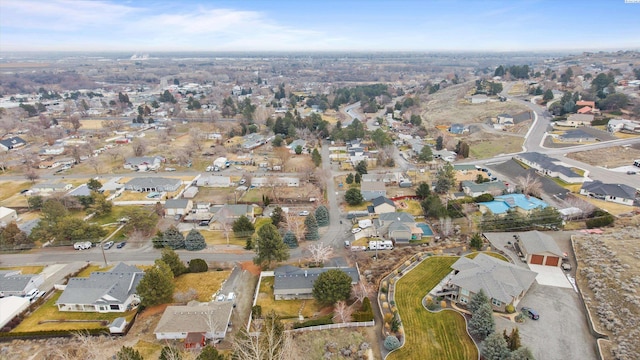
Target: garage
{"x": 552, "y": 261}
{"x": 536, "y": 259}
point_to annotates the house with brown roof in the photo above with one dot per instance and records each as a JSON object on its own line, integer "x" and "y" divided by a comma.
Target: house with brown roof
{"x": 194, "y": 320}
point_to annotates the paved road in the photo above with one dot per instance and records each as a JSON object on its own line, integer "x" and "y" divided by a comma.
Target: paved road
{"x": 333, "y": 235}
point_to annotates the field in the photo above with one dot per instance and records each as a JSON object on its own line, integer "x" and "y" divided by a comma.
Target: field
{"x": 314, "y": 344}
{"x": 10, "y": 188}
{"x": 611, "y": 157}
{"x": 609, "y": 277}
{"x": 286, "y": 309}
{"x": 429, "y": 335}
{"x": 205, "y": 284}
{"x": 213, "y": 237}
{"x": 492, "y": 145}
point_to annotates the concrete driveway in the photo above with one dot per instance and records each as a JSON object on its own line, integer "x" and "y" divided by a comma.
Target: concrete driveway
{"x": 551, "y": 276}
{"x": 561, "y": 332}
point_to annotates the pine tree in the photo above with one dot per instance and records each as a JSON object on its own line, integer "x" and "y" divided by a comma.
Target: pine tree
{"x": 476, "y": 242}
{"x": 290, "y": 239}
{"x": 477, "y": 299}
{"x": 316, "y": 157}
{"x": 349, "y": 179}
{"x": 156, "y": 286}
{"x": 270, "y": 246}
{"x": 277, "y": 216}
{"x": 482, "y": 323}
{"x": 322, "y": 215}
{"x": 243, "y": 226}
{"x": 173, "y": 238}
{"x": 170, "y": 353}
{"x": 210, "y": 353}
{"x": 311, "y": 225}
{"x": 172, "y": 259}
{"x": 495, "y": 348}
{"x": 127, "y": 353}
{"x": 513, "y": 340}
{"x": 357, "y": 178}
{"x": 194, "y": 241}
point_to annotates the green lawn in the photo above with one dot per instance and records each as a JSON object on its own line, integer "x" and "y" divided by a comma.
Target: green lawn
{"x": 116, "y": 213}
{"x": 286, "y": 309}
{"x": 218, "y": 238}
{"x": 429, "y": 335}
{"x": 49, "y": 311}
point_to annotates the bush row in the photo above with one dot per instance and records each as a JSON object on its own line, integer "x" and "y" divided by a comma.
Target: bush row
{"x": 325, "y": 320}
{"x": 365, "y": 313}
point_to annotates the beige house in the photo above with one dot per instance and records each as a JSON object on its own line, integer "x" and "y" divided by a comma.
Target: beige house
{"x": 538, "y": 248}
{"x": 177, "y": 206}
{"x": 209, "y": 318}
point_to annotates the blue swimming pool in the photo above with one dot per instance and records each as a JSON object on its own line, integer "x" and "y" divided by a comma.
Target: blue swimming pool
{"x": 426, "y": 229}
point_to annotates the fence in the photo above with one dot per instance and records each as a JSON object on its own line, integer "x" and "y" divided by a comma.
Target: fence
{"x": 333, "y": 326}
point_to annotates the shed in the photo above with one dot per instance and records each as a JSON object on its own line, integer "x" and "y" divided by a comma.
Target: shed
{"x": 118, "y": 325}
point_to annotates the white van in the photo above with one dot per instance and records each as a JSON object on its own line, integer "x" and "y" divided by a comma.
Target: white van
{"x": 231, "y": 296}
{"x": 82, "y": 245}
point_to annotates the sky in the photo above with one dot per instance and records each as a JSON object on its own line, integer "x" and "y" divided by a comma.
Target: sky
{"x": 322, "y": 25}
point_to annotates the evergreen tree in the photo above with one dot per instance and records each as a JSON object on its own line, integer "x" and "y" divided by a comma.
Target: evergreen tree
{"x": 522, "y": 353}
{"x": 332, "y": 286}
{"x": 194, "y": 241}
{"x": 173, "y": 238}
{"x": 477, "y": 299}
{"x": 270, "y": 246}
{"x": 316, "y": 157}
{"x": 172, "y": 259}
{"x": 361, "y": 167}
{"x": 311, "y": 226}
{"x": 349, "y": 179}
{"x": 290, "y": 239}
{"x": 198, "y": 266}
{"x": 277, "y": 216}
{"x": 425, "y": 154}
{"x": 156, "y": 286}
{"x": 353, "y": 197}
{"x": 482, "y": 323}
{"x": 357, "y": 178}
{"x": 423, "y": 191}
{"x": 210, "y": 353}
{"x": 446, "y": 179}
{"x": 513, "y": 339}
{"x": 127, "y": 353}
{"x": 170, "y": 353}
{"x": 439, "y": 143}
{"x": 476, "y": 242}
{"x": 495, "y": 348}
{"x": 243, "y": 226}
{"x": 94, "y": 185}
{"x": 322, "y": 215}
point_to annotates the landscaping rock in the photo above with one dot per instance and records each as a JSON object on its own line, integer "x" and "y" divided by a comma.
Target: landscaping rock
{"x": 364, "y": 346}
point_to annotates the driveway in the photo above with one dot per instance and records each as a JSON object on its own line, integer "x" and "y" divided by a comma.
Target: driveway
{"x": 561, "y": 332}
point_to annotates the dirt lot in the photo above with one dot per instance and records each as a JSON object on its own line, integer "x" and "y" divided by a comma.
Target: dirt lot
{"x": 608, "y": 157}
{"x": 609, "y": 278}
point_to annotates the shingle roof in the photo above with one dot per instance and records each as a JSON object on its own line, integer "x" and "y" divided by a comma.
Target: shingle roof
{"x": 397, "y": 216}
{"x": 15, "y": 282}
{"x": 617, "y": 190}
{"x": 194, "y": 317}
{"x": 110, "y": 287}
{"x": 152, "y": 181}
{"x": 12, "y": 142}
{"x": 176, "y": 203}
{"x": 382, "y": 200}
{"x": 484, "y": 187}
{"x": 499, "y": 279}
{"x": 291, "y": 277}
{"x": 535, "y": 242}
{"x": 372, "y": 186}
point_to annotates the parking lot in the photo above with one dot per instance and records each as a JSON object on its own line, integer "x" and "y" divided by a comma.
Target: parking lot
{"x": 561, "y": 332}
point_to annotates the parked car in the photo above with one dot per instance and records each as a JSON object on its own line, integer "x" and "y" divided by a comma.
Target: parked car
{"x": 169, "y": 169}
{"x": 121, "y": 244}
{"x": 356, "y": 230}
{"x": 566, "y": 266}
{"x": 31, "y": 295}
{"x": 303, "y": 213}
{"x": 108, "y": 245}
{"x": 243, "y": 181}
{"x": 631, "y": 172}
{"x": 531, "y": 313}
{"x": 204, "y": 223}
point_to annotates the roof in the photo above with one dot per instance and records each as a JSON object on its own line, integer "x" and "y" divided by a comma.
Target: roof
{"x": 397, "y": 216}
{"x": 108, "y": 287}
{"x": 535, "y": 242}
{"x": 176, "y": 203}
{"x": 372, "y": 186}
{"x": 55, "y": 186}
{"x": 142, "y": 160}
{"x": 484, "y": 187}
{"x": 498, "y": 279}
{"x": 548, "y": 163}
{"x": 523, "y": 116}
{"x": 15, "y": 282}
{"x": 382, "y": 200}
{"x": 503, "y": 203}
{"x": 194, "y": 317}
{"x": 291, "y": 277}
{"x": 12, "y": 142}
{"x": 118, "y": 322}
{"x": 4, "y": 211}
{"x": 587, "y": 118}
{"x": 152, "y": 181}
{"x": 577, "y": 134}
{"x": 234, "y": 209}
{"x": 617, "y": 190}
{"x": 82, "y": 190}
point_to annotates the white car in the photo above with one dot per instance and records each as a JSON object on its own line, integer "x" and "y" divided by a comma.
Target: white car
{"x": 356, "y": 230}
{"x": 303, "y": 213}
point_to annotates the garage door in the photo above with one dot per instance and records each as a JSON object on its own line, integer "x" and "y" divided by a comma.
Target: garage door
{"x": 552, "y": 261}
{"x": 537, "y": 259}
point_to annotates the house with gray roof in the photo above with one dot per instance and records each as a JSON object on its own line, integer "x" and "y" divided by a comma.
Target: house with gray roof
{"x": 157, "y": 184}
{"x": 551, "y": 167}
{"x": 295, "y": 283}
{"x": 177, "y": 206}
{"x": 398, "y": 226}
{"x": 228, "y": 213}
{"x": 214, "y": 181}
{"x": 577, "y": 136}
{"x": 617, "y": 193}
{"x": 209, "y": 318}
{"x": 371, "y": 190}
{"x": 82, "y": 190}
{"x": 103, "y": 291}
{"x": 294, "y": 144}
{"x": 502, "y": 282}
{"x": 252, "y": 141}
{"x": 143, "y": 163}
{"x": 473, "y": 189}
{"x": 14, "y": 283}
{"x": 382, "y": 205}
{"x": 50, "y": 187}
{"x": 12, "y": 143}
{"x": 539, "y": 248}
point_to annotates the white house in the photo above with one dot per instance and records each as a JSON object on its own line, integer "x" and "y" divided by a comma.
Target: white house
{"x": 7, "y": 216}
{"x": 143, "y": 163}
{"x": 214, "y": 181}
{"x": 10, "y": 307}
{"x": 275, "y": 181}
{"x": 617, "y": 193}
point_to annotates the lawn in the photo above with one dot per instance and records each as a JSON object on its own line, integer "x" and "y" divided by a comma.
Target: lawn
{"x": 49, "y": 311}
{"x": 429, "y": 335}
{"x": 205, "y": 284}
{"x": 490, "y": 253}
{"x": 487, "y": 149}
{"x": 218, "y": 238}
{"x": 412, "y": 207}
{"x": 286, "y": 309}
{"x": 24, "y": 270}
{"x": 92, "y": 268}
{"x": 116, "y": 213}
{"x": 10, "y": 188}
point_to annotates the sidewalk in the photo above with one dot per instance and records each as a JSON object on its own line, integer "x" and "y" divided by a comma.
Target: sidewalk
{"x": 55, "y": 274}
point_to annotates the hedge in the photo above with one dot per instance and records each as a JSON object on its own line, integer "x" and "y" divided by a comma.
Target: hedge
{"x": 365, "y": 313}
{"x": 601, "y": 221}
{"x": 325, "y": 320}
{"x": 50, "y": 333}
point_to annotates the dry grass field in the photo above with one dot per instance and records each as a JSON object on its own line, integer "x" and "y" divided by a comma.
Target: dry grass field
{"x": 611, "y": 157}
{"x": 286, "y": 309}
{"x": 205, "y": 284}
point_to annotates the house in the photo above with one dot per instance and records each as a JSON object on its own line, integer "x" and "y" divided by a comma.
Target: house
{"x": 52, "y": 150}
{"x": 505, "y": 119}
{"x": 252, "y": 141}
{"x": 12, "y": 143}
{"x": 472, "y": 189}
{"x": 457, "y": 129}
{"x": 616, "y": 125}
{"x": 581, "y": 103}
{"x": 190, "y": 193}
{"x": 550, "y": 167}
{"x": 291, "y": 282}
{"x": 209, "y": 318}
{"x": 585, "y": 110}
{"x": 143, "y": 163}
{"x": 7, "y": 216}
{"x": 14, "y": 283}
{"x": 389, "y": 177}
{"x": 398, "y": 226}
{"x": 177, "y": 206}
{"x": 579, "y": 120}
{"x": 577, "y": 136}
{"x": 10, "y": 307}
{"x": 276, "y": 181}
{"x": 538, "y": 248}
{"x": 222, "y": 215}
{"x": 512, "y": 202}
{"x": 382, "y": 205}
{"x": 371, "y": 190}
{"x": 103, "y": 291}
{"x": 50, "y": 187}
{"x": 502, "y": 282}
{"x": 294, "y": 144}
{"x": 214, "y": 181}
{"x": 156, "y": 184}
{"x": 82, "y": 190}
{"x": 479, "y": 99}
{"x": 118, "y": 325}
{"x": 445, "y": 155}
{"x": 617, "y": 193}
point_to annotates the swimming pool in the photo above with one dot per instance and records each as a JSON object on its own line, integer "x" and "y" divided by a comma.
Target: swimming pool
{"x": 426, "y": 229}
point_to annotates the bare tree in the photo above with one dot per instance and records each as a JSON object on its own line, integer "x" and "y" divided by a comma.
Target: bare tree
{"x": 446, "y": 226}
{"x": 94, "y": 163}
{"x": 139, "y": 147}
{"x": 342, "y": 312}
{"x": 114, "y": 153}
{"x": 584, "y": 206}
{"x": 74, "y": 120}
{"x": 283, "y": 154}
{"x": 31, "y": 175}
{"x": 295, "y": 225}
{"x": 226, "y": 221}
{"x": 320, "y": 252}
{"x": 529, "y": 184}
{"x": 271, "y": 343}
{"x": 361, "y": 290}
{"x": 197, "y": 138}
{"x": 44, "y": 121}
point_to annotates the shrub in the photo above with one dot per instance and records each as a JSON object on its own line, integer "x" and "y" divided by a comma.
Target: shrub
{"x": 256, "y": 311}
{"x": 325, "y": 320}
{"x": 365, "y": 313}
{"x": 601, "y": 221}
{"x": 198, "y": 266}
{"x": 388, "y": 318}
{"x": 391, "y": 343}
{"x": 483, "y": 198}
{"x": 510, "y": 309}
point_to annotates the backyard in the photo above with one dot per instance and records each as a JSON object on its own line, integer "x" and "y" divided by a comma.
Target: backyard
{"x": 205, "y": 284}
{"x": 286, "y": 309}
{"x": 429, "y": 335}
